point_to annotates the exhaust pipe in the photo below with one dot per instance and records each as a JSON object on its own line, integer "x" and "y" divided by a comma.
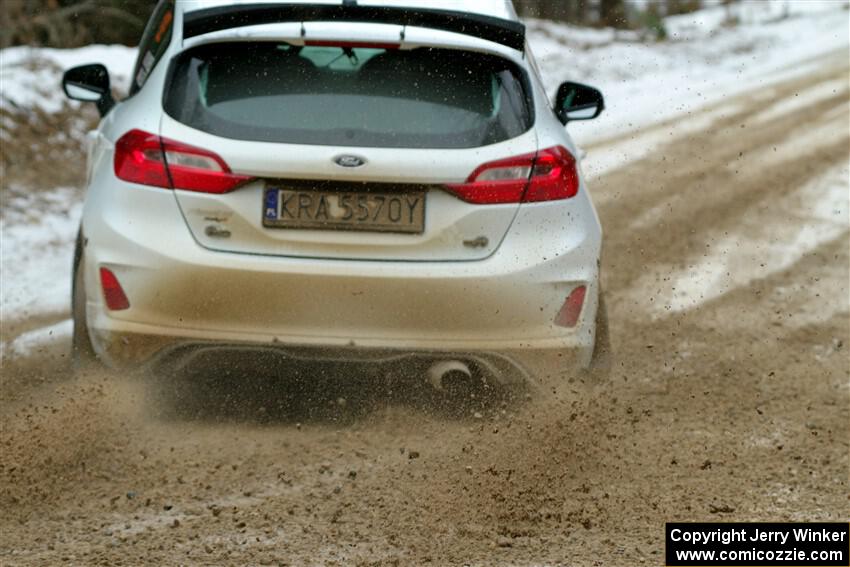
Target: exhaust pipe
{"x": 446, "y": 371}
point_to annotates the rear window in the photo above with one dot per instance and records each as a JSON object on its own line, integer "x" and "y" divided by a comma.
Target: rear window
{"x": 349, "y": 96}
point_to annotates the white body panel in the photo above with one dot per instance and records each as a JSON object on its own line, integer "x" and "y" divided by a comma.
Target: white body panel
{"x": 496, "y": 8}
{"x": 334, "y": 288}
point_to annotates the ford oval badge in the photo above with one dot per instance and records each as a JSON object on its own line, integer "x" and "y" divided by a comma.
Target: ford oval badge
{"x": 348, "y": 160}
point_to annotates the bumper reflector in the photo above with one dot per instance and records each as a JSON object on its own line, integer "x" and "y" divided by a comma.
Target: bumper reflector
{"x": 116, "y": 299}
{"x": 570, "y": 311}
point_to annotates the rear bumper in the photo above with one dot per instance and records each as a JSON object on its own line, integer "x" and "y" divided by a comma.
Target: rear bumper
{"x": 181, "y": 293}
{"x": 137, "y": 346}
{"x": 157, "y": 353}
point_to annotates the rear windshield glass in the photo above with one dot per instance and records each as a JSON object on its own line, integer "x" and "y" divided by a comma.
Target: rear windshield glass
{"x": 360, "y": 96}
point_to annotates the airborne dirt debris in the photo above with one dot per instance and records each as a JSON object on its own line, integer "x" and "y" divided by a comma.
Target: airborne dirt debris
{"x": 727, "y": 402}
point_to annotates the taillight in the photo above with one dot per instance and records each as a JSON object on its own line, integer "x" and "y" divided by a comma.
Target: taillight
{"x": 547, "y": 175}
{"x": 502, "y": 181}
{"x": 149, "y": 159}
{"x": 138, "y": 158}
{"x": 114, "y": 295}
{"x": 554, "y": 176}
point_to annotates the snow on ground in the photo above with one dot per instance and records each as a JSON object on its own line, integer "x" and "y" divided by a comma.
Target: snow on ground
{"x": 703, "y": 62}
{"x": 32, "y": 341}
{"x": 36, "y": 249}
{"x": 38, "y": 228}
{"x": 31, "y": 77}
{"x": 639, "y": 144}
{"x": 643, "y": 82}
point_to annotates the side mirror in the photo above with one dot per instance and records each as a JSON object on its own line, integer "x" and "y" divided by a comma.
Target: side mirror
{"x": 576, "y": 101}
{"x": 89, "y": 83}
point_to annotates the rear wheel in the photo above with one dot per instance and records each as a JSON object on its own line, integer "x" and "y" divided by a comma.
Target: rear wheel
{"x": 600, "y": 363}
{"x": 82, "y": 352}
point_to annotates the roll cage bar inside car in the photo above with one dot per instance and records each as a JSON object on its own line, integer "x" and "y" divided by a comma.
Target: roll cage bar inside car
{"x": 506, "y": 32}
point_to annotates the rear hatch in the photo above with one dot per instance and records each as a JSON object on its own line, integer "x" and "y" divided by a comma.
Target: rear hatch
{"x": 348, "y": 151}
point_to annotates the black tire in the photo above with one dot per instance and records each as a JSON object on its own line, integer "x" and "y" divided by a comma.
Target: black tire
{"x": 82, "y": 352}
{"x": 600, "y": 363}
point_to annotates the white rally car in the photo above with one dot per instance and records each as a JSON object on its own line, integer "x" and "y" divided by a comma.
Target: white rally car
{"x": 370, "y": 180}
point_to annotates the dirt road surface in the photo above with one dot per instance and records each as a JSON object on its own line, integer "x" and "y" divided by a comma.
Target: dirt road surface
{"x": 726, "y": 270}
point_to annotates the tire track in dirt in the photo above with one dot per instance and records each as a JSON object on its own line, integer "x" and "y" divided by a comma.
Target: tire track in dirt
{"x": 707, "y": 184}
{"x": 821, "y": 69}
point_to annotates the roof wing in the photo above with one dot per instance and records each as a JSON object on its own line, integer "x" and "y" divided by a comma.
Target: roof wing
{"x": 506, "y": 32}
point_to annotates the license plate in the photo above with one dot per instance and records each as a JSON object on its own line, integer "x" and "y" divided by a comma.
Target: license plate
{"x": 344, "y": 210}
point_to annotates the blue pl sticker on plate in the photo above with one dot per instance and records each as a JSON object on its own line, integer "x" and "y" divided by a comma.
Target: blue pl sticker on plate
{"x": 270, "y": 210}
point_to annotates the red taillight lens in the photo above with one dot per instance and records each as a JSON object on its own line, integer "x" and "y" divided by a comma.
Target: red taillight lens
{"x": 495, "y": 182}
{"x": 115, "y": 297}
{"x": 554, "y": 176}
{"x": 570, "y": 311}
{"x": 548, "y": 175}
{"x": 138, "y": 158}
{"x": 195, "y": 169}
{"x": 148, "y": 159}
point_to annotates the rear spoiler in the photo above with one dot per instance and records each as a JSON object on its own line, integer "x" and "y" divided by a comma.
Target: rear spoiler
{"x": 498, "y": 30}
